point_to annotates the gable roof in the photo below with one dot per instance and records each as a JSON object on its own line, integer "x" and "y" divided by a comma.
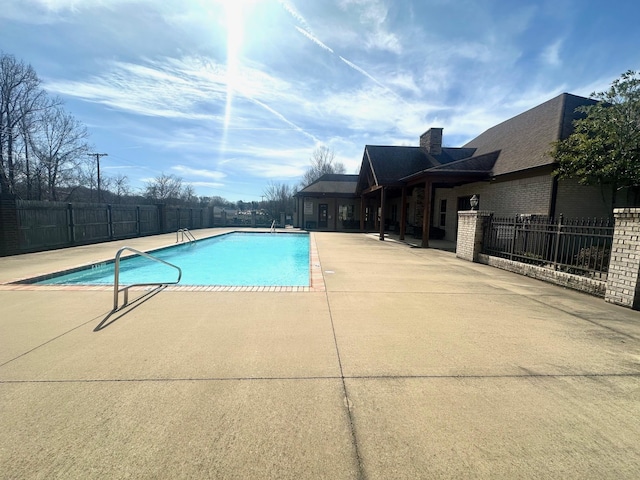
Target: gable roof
{"x": 334, "y": 183}
{"x": 525, "y": 140}
{"x": 389, "y": 164}
{"x": 480, "y": 165}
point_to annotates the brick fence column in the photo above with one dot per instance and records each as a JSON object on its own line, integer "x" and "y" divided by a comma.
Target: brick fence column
{"x": 9, "y": 238}
{"x": 623, "y": 279}
{"x": 470, "y": 230}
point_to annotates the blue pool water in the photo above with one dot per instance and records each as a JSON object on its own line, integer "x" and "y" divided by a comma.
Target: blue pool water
{"x": 237, "y": 259}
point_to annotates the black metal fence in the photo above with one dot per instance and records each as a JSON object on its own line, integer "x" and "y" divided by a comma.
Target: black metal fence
{"x": 577, "y": 246}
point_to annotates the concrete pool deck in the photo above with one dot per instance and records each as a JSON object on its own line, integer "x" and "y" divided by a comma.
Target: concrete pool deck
{"x": 410, "y": 364}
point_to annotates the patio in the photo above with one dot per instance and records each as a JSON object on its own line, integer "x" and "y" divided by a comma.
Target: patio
{"x": 411, "y": 364}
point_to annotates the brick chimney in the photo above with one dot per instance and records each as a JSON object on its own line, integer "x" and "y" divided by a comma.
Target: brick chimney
{"x": 431, "y": 141}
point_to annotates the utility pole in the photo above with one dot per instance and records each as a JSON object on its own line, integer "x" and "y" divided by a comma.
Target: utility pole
{"x": 98, "y": 155}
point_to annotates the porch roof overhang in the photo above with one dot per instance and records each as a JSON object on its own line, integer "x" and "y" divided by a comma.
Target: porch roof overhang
{"x": 325, "y": 195}
{"x": 447, "y": 179}
{"x": 464, "y": 171}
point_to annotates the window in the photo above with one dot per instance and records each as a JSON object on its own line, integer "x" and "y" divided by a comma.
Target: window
{"x": 346, "y": 212}
{"x": 346, "y": 215}
{"x": 443, "y": 213}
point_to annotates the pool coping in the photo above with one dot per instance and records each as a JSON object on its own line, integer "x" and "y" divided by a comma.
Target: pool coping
{"x": 316, "y": 278}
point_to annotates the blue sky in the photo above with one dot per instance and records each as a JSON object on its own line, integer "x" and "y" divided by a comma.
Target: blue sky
{"x": 231, "y": 95}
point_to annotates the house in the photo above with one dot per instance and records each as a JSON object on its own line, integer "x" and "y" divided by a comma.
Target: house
{"x": 508, "y": 168}
{"x": 419, "y": 190}
{"x": 329, "y": 203}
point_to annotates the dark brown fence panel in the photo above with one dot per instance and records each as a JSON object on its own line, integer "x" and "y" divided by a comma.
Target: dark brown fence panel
{"x": 172, "y": 222}
{"x": 149, "y": 223}
{"x": 184, "y": 218}
{"x": 197, "y": 215}
{"x": 90, "y": 223}
{"x": 30, "y": 226}
{"x": 124, "y": 221}
{"x": 42, "y": 225}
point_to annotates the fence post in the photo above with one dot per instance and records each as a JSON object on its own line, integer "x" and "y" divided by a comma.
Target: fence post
{"x": 512, "y": 245}
{"x": 110, "y": 221}
{"x": 138, "y": 228}
{"x": 72, "y": 225}
{"x": 557, "y": 242}
{"x": 623, "y": 277}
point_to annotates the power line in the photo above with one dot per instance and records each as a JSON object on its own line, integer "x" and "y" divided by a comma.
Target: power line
{"x": 98, "y": 155}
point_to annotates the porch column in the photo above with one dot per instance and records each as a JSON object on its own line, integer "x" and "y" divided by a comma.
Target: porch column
{"x": 426, "y": 218}
{"x": 362, "y": 212}
{"x": 382, "y": 199}
{"x": 403, "y": 213}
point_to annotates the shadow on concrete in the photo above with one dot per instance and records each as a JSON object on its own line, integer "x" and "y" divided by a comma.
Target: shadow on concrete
{"x": 129, "y": 307}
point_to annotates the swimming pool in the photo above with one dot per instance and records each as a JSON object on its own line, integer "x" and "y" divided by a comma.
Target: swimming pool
{"x": 235, "y": 259}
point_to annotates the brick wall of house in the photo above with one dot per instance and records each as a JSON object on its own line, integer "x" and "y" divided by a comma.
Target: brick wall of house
{"x": 623, "y": 280}
{"x": 523, "y": 195}
{"x": 575, "y": 200}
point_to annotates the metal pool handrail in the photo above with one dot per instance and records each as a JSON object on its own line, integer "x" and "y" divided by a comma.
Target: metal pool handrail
{"x": 273, "y": 227}
{"x": 187, "y": 233}
{"x": 116, "y": 276}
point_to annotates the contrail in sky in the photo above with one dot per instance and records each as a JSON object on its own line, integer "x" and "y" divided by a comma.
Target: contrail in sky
{"x": 295, "y": 14}
{"x": 362, "y": 71}
{"x": 283, "y": 118}
{"x": 306, "y": 31}
{"x": 366, "y": 74}
{"x": 313, "y": 39}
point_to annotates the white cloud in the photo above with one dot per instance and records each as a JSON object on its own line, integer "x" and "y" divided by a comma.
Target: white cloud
{"x": 373, "y": 16}
{"x": 384, "y": 40}
{"x": 551, "y": 54}
{"x": 207, "y": 184}
{"x": 199, "y": 173}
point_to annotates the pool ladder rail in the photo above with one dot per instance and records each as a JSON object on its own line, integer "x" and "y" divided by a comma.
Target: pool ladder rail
{"x": 185, "y": 233}
{"x": 273, "y": 227}
{"x": 125, "y": 289}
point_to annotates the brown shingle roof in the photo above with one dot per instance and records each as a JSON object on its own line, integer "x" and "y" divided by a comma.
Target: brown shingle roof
{"x": 525, "y": 139}
{"x": 332, "y": 183}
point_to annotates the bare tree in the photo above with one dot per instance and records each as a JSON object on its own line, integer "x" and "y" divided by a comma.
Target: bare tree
{"x": 188, "y": 194}
{"x": 322, "y": 162}
{"x": 59, "y": 145}
{"x": 20, "y": 96}
{"x": 279, "y": 198}
{"x": 121, "y": 186}
{"x": 164, "y": 187}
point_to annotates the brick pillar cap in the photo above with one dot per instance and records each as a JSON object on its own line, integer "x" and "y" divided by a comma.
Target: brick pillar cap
{"x": 622, "y": 211}
{"x": 475, "y": 213}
